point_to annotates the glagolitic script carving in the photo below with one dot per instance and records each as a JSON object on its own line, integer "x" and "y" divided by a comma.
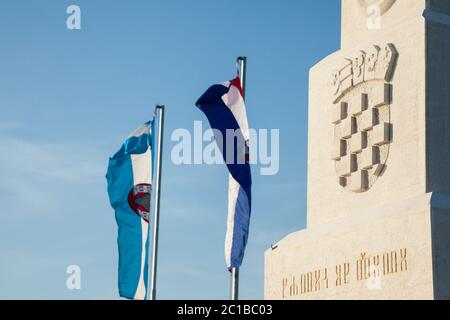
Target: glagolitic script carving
{"x": 365, "y": 268}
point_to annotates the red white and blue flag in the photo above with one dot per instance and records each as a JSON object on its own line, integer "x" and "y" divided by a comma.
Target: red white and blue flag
{"x": 223, "y": 104}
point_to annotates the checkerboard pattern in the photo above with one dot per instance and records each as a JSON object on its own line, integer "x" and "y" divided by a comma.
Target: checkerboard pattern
{"x": 360, "y": 135}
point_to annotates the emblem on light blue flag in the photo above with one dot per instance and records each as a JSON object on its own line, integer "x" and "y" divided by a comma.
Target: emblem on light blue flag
{"x": 130, "y": 176}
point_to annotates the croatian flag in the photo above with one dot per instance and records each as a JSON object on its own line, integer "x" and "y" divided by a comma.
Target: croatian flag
{"x": 223, "y": 105}
{"x": 129, "y": 188}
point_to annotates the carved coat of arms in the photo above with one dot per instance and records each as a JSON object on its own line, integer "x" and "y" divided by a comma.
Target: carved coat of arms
{"x": 361, "y": 116}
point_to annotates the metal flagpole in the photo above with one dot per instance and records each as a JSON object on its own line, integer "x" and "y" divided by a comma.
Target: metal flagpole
{"x": 234, "y": 283}
{"x": 242, "y": 64}
{"x": 157, "y": 198}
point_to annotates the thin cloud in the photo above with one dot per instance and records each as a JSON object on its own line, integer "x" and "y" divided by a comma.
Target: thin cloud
{"x": 40, "y": 175}
{"x": 10, "y": 126}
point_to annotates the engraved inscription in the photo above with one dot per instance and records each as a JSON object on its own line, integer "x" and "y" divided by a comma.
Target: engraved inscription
{"x": 366, "y": 268}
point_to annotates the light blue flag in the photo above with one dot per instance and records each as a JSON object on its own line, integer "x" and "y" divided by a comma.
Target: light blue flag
{"x": 129, "y": 177}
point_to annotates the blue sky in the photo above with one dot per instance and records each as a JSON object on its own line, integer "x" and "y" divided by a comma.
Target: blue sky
{"x": 68, "y": 99}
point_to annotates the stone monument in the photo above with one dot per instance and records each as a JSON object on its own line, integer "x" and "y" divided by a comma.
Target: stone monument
{"x": 378, "y": 223}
